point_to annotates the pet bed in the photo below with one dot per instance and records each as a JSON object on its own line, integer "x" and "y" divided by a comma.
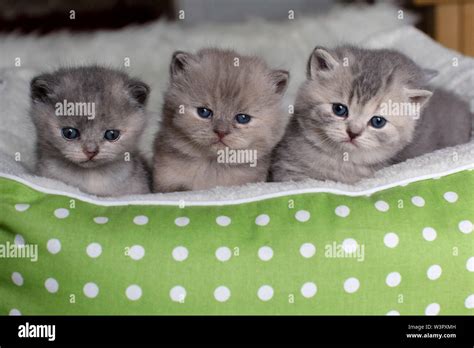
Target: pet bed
{"x": 398, "y": 243}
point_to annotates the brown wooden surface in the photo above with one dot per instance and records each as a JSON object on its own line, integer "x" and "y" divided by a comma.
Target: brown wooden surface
{"x": 467, "y": 31}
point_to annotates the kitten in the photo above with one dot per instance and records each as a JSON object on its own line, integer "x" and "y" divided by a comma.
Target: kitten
{"x": 360, "y": 110}
{"x": 218, "y": 102}
{"x": 88, "y": 121}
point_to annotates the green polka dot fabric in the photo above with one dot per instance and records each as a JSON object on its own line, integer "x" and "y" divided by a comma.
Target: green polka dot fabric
{"x": 406, "y": 250}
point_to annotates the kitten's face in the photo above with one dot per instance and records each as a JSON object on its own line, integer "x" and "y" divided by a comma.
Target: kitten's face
{"x": 103, "y": 130}
{"x": 216, "y": 104}
{"x": 367, "y": 112}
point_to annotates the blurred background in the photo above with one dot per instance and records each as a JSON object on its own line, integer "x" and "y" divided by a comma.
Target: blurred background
{"x": 450, "y": 22}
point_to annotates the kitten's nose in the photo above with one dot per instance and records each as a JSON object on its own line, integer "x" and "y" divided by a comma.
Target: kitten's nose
{"x": 352, "y": 135}
{"x": 220, "y": 133}
{"x": 90, "y": 153}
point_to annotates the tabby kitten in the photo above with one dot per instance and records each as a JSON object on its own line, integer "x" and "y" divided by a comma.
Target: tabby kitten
{"x": 218, "y": 102}
{"x": 88, "y": 121}
{"x": 360, "y": 110}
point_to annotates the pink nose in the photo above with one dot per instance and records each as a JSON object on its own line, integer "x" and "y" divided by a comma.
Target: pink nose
{"x": 90, "y": 153}
{"x": 221, "y": 134}
{"x": 352, "y": 135}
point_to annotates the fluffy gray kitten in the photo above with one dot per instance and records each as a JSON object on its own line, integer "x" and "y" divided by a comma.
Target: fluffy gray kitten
{"x": 360, "y": 110}
{"x": 88, "y": 121}
{"x": 218, "y": 101}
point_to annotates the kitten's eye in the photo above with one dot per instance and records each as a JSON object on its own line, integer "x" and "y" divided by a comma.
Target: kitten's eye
{"x": 377, "y": 122}
{"x": 111, "y": 134}
{"x": 340, "y": 110}
{"x": 70, "y": 133}
{"x": 242, "y": 118}
{"x": 204, "y": 113}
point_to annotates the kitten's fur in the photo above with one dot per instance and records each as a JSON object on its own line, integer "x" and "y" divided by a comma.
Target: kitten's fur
{"x": 119, "y": 105}
{"x": 186, "y": 146}
{"x": 316, "y": 141}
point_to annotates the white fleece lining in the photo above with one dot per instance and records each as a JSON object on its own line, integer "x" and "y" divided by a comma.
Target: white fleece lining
{"x": 407, "y": 39}
{"x": 263, "y": 197}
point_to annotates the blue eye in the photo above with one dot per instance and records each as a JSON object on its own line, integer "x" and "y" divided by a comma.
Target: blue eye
{"x": 242, "y": 118}
{"x": 340, "y": 110}
{"x": 378, "y": 122}
{"x": 70, "y": 133}
{"x": 111, "y": 134}
{"x": 204, "y": 112}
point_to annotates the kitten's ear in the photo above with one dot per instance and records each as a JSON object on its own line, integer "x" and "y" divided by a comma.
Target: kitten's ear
{"x": 41, "y": 88}
{"x": 179, "y": 61}
{"x": 420, "y": 96}
{"x": 280, "y": 79}
{"x": 139, "y": 91}
{"x": 320, "y": 60}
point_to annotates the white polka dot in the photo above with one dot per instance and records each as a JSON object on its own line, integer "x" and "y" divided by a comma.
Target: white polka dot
{"x": 53, "y": 246}
{"x": 429, "y": 234}
{"x": 223, "y": 254}
{"x": 51, "y": 285}
{"x": 349, "y": 245}
{"x": 351, "y": 285}
{"x": 15, "y": 312}
{"x": 223, "y": 221}
{"x": 262, "y": 220}
{"x": 265, "y": 293}
{"x": 391, "y": 240}
{"x": 17, "y": 278}
{"x": 465, "y": 226}
{"x": 265, "y": 253}
{"x": 469, "y": 302}
{"x": 309, "y": 289}
{"x": 418, "y": 201}
{"x": 451, "y": 197}
{"x": 101, "y": 220}
{"x": 91, "y": 290}
{"x": 342, "y": 211}
{"x": 133, "y": 292}
{"x": 470, "y": 264}
{"x": 19, "y": 241}
{"x": 302, "y": 215}
{"x": 222, "y": 293}
{"x": 432, "y": 309}
{"x": 181, "y": 221}
{"x": 393, "y": 279}
{"x": 180, "y": 253}
{"x": 434, "y": 272}
{"x": 307, "y": 250}
{"x": 393, "y": 313}
{"x": 61, "y": 213}
{"x": 178, "y": 294}
{"x": 94, "y": 250}
{"x": 382, "y": 206}
{"x": 136, "y": 252}
{"x": 21, "y": 207}
{"x": 140, "y": 220}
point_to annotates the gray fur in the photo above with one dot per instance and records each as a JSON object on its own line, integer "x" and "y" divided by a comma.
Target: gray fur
{"x": 316, "y": 144}
{"x": 119, "y": 105}
{"x": 186, "y": 146}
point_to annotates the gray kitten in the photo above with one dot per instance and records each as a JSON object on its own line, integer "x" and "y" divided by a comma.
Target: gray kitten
{"x": 218, "y": 102}
{"x": 88, "y": 121}
{"x": 360, "y": 110}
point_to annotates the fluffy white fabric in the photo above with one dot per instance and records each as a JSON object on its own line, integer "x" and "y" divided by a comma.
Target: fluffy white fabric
{"x": 285, "y": 45}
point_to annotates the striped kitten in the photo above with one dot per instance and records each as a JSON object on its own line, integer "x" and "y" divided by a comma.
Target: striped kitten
{"x": 360, "y": 110}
